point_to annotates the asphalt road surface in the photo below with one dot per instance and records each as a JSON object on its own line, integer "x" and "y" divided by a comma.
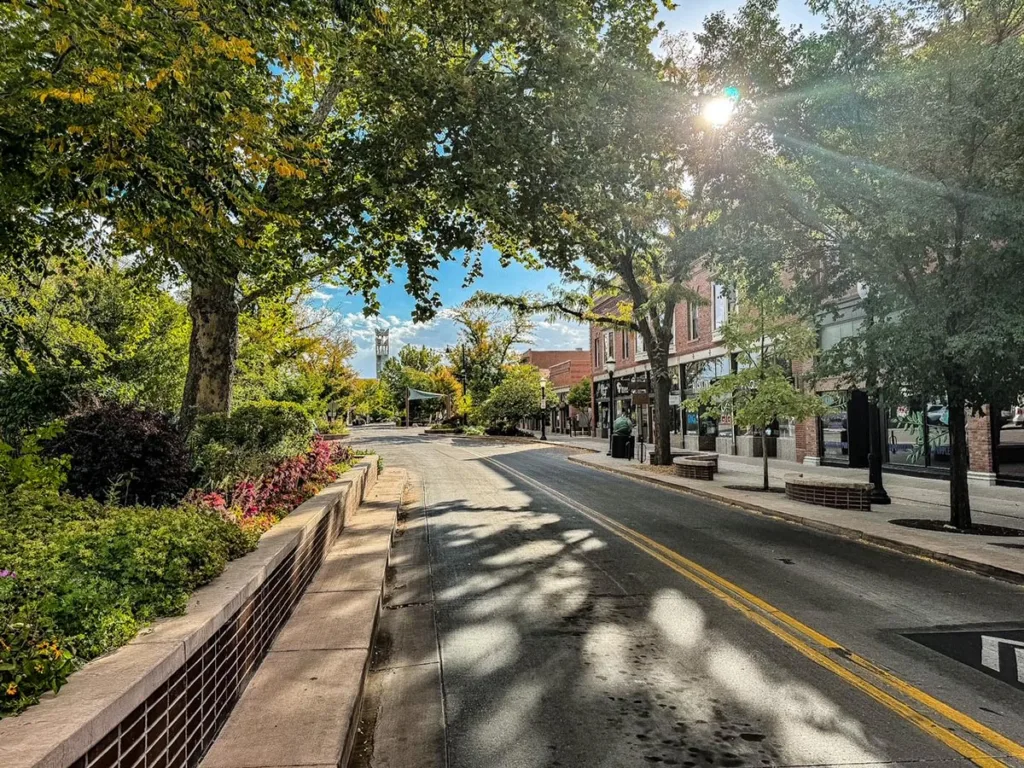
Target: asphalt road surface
{"x": 585, "y": 619}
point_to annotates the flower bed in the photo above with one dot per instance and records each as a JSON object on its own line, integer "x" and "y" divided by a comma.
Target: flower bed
{"x": 255, "y": 504}
{"x": 79, "y": 578}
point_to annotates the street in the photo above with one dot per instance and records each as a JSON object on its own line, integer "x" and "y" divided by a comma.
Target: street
{"x": 585, "y": 619}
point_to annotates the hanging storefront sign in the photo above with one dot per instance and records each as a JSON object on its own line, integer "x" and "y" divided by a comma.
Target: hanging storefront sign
{"x": 641, "y": 398}
{"x": 674, "y": 400}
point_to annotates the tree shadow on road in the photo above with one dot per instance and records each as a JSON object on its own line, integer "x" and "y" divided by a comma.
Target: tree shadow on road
{"x": 563, "y": 645}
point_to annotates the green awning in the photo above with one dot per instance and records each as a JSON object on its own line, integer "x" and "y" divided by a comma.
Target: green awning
{"x": 417, "y": 394}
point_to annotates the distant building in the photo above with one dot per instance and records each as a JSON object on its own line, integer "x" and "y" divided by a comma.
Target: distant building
{"x": 915, "y": 432}
{"x": 562, "y": 368}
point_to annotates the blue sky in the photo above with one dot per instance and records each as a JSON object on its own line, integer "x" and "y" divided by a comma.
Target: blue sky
{"x": 397, "y": 305}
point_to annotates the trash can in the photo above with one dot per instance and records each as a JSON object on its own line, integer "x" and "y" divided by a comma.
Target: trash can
{"x": 621, "y": 446}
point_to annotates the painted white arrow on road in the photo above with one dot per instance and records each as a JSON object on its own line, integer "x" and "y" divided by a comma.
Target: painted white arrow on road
{"x": 990, "y": 653}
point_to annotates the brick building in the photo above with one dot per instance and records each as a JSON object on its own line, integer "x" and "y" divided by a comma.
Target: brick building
{"x": 561, "y": 369}
{"x": 916, "y": 435}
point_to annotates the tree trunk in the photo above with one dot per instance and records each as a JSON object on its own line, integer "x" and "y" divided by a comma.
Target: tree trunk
{"x": 212, "y": 348}
{"x": 959, "y": 496}
{"x": 764, "y": 454}
{"x": 662, "y": 411}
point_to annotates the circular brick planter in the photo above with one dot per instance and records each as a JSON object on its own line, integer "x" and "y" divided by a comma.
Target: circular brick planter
{"x": 698, "y": 467}
{"x": 829, "y": 492}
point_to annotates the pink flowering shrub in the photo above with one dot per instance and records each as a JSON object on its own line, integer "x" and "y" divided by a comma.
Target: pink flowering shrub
{"x": 255, "y": 504}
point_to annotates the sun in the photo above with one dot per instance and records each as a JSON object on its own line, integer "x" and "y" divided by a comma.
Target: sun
{"x": 718, "y": 111}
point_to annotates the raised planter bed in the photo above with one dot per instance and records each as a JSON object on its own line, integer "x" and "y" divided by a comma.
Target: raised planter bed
{"x": 161, "y": 699}
{"x": 706, "y": 455}
{"x": 699, "y": 467}
{"x": 829, "y": 492}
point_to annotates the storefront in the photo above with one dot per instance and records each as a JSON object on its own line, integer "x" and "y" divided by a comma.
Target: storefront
{"x": 917, "y": 436}
{"x": 844, "y": 429}
{"x": 701, "y": 430}
{"x": 609, "y": 409}
{"x": 915, "y": 433}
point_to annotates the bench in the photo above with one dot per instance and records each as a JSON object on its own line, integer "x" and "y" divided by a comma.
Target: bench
{"x": 829, "y": 492}
{"x": 696, "y": 467}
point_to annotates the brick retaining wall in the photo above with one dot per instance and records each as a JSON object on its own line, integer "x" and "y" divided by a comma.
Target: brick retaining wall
{"x": 160, "y": 701}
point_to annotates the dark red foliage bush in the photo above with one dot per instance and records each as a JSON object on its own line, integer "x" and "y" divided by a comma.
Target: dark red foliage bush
{"x": 124, "y": 454}
{"x": 257, "y": 503}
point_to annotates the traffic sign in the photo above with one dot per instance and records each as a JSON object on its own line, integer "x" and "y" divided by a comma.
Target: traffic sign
{"x": 999, "y": 653}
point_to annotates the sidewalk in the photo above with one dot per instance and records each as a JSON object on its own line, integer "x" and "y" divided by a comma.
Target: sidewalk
{"x": 994, "y": 505}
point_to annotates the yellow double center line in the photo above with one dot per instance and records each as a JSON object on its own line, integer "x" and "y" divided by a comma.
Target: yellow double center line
{"x": 861, "y": 673}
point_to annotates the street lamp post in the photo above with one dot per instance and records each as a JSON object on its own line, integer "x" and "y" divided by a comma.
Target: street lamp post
{"x": 543, "y": 409}
{"x": 609, "y": 366}
{"x": 878, "y": 493}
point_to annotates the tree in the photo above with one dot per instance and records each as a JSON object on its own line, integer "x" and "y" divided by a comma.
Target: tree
{"x": 514, "y": 399}
{"x": 628, "y": 216}
{"x": 579, "y": 397}
{"x": 895, "y": 152}
{"x": 485, "y": 346}
{"x": 254, "y": 146}
{"x": 290, "y": 352}
{"x": 766, "y": 339}
{"x": 371, "y": 401}
{"x": 90, "y": 328}
{"x": 419, "y": 367}
{"x": 419, "y": 358}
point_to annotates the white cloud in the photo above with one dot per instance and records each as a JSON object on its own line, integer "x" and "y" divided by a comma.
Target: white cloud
{"x": 442, "y": 331}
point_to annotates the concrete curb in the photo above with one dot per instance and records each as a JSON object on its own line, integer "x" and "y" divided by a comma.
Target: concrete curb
{"x": 974, "y": 566}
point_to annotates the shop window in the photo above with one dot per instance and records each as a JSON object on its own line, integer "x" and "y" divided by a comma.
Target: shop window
{"x": 835, "y": 427}
{"x": 937, "y": 416}
{"x": 907, "y": 435}
{"x": 721, "y": 303}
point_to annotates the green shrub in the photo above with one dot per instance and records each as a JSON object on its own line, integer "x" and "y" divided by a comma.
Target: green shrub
{"x": 78, "y": 578}
{"x": 249, "y": 442}
{"x": 515, "y": 398}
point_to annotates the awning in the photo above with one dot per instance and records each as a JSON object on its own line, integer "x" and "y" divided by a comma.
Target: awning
{"x": 417, "y": 394}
